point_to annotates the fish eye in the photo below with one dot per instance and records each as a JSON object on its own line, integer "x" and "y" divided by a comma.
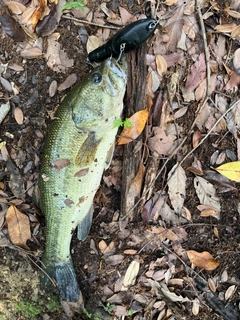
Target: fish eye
{"x": 152, "y": 25}
{"x": 96, "y": 78}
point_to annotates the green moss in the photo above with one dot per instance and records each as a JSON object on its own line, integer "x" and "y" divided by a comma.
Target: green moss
{"x": 53, "y": 304}
{"x": 33, "y": 308}
{"x": 28, "y": 309}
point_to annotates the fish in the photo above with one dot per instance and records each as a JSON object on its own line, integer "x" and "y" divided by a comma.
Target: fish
{"x": 78, "y": 148}
{"x": 127, "y": 39}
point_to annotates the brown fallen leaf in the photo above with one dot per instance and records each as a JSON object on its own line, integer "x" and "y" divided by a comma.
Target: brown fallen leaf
{"x": 225, "y": 27}
{"x": 197, "y": 74}
{"x": 12, "y": 27}
{"x": 18, "y": 227}
{"x": 160, "y": 142}
{"x": 195, "y": 306}
{"x": 15, "y": 7}
{"x": 130, "y": 251}
{"x": 203, "y": 260}
{"x": 136, "y": 186}
{"x": 114, "y": 260}
{"x": 161, "y": 64}
{"x": 38, "y": 14}
{"x": 130, "y": 275}
{"x": 212, "y": 285}
{"x": 196, "y": 138}
{"x": 230, "y": 291}
{"x": 68, "y": 82}
{"x": 138, "y": 121}
{"x": 16, "y": 181}
{"x": 207, "y": 211}
{"x": 18, "y": 115}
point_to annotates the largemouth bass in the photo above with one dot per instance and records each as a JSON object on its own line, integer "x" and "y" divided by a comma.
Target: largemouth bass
{"x": 78, "y": 148}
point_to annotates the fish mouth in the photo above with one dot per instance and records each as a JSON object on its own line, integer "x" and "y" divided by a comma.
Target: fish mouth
{"x": 118, "y": 67}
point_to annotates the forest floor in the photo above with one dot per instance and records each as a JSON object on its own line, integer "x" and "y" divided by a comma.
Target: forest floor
{"x": 182, "y": 247}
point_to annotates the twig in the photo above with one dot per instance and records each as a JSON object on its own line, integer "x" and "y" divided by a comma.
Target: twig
{"x": 198, "y": 7}
{"x": 90, "y": 23}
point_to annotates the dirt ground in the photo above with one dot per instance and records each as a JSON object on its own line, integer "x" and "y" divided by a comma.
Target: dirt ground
{"x": 99, "y": 277}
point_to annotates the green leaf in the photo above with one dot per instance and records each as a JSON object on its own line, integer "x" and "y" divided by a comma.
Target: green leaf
{"x": 118, "y": 123}
{"x": 74, "y": 4}
{"x": 127, "y": 123}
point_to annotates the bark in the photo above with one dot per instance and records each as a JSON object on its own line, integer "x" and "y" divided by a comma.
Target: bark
{"x": 135, "y": 101}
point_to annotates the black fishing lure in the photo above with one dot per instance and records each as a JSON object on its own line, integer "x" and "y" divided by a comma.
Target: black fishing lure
{"x": 127, "y": 39}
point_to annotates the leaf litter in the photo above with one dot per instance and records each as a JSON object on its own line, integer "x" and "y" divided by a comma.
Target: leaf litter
{"x": 169, "y": 212}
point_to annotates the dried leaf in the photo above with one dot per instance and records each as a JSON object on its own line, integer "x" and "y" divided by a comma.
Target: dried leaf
{"x": 161, "y": 64}
{"x": 235, "y": 34}
{"x": 177, "y": 187}
{"x": 221, "y": 182}
{"x": 174, "y": 27}
{"x": 233, "y": 82}
{"x": 196, "y": 138}
{"x": 135, "y": 188}
{"x": 130, "y": 251}
{"x": 215, "y": 231}
{"x": 232, "y": 13}
{"x": 31, "y": 52}
{"x": 207, "y": 211}
{"x": 6, "y": 84}
{"x": 160, "y": 142}
{"x": 16, "y": 181}
{"x": 52, "y": 88}
{"x": 203, "y": 260}
{"x": 106, "y": 249}
{"x": 206, "y": 193}
{"x": 38, "y": 14}
{"x": 57, "y": 59}
{"x": 68, "y": 82}
{"x": 230, "y": 291}
{"x": 212, "y": 285}
{"x": 224, "y": 276}
{"x": 93, "y": 43}
{"x": 181, "y": 112}
{"x": 102, "y": 245}
{"x": 195, "y": 306}
{"x": 48, "y": 22}
{"x": 161, "y": 289}
{"x": 130, "y": 275}
{"x": 236, "y": 61}
{"x": 138, "y": 121}
{"x": 231, "y": 170}
{"x": 225, "y": 27}
{"x": 11, "y": 27}
{"x": 197, "y": 74}
{"x": 18, "y": 227}
{"x": 18, "y": 115}
{"x": 15, "y": 7}
{"x": 114, "y": 260}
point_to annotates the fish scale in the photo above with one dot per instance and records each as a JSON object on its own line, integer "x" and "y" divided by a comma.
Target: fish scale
{"x": 78, "y": 148}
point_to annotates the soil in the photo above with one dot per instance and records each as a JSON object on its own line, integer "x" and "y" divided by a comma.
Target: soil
{"x": 19, "y": 280}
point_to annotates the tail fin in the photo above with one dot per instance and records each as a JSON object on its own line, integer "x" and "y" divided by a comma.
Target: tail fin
{"x": 64, "y": 275}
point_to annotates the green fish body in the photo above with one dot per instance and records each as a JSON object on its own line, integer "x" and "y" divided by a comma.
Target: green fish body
{"x": 78, "y": 148}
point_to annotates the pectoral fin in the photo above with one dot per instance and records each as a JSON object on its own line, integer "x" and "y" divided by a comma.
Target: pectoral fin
{"x": 87, "y": 151}
{"x": 85, "y": 225}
